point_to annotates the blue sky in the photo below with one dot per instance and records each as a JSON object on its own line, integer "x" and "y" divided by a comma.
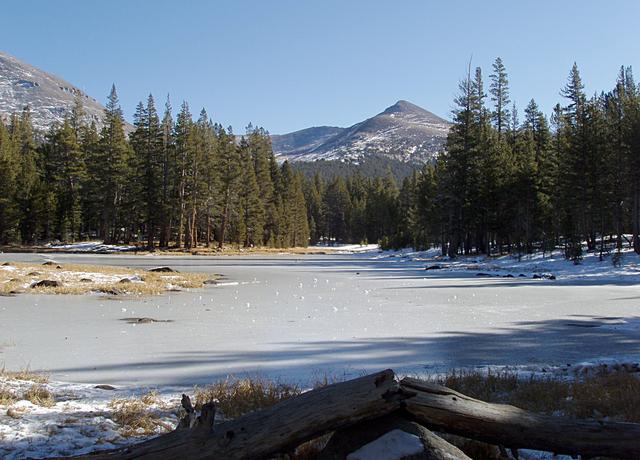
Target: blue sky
{"x": 287, "y": 65}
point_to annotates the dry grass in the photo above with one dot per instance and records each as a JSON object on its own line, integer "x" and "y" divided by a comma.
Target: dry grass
{"x": 138, "y": 416}
{"x": 83, "y": 279}
{"x": 234, "y": 397}
{"x": 26, "y": 374}
{"x": 7, "y": 397}
{"x": 39, "y": 395}
{"x": 612, "y": 395}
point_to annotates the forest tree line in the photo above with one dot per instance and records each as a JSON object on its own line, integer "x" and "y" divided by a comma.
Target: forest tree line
{"x": 510, "y": 186}
{"x": 179, "y": 183}
{"x": 502, "y": 184}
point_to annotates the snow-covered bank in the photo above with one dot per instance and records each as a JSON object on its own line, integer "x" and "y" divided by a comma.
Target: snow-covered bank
{"x": 350, "y": 248}
{"x": 92, "y": 247}
{"x": 80, "y": 421}
{"x": 528, "y": 266}
{"x": 84, "y": 418}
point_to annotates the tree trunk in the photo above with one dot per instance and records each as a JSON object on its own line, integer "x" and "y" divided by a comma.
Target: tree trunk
{"x": 280, "y": 428}
{"x": 440, "y": 408}
{"x": 223, "y": 225}
{"x": 286, "y": 425}
{"x": 636, "y": 218}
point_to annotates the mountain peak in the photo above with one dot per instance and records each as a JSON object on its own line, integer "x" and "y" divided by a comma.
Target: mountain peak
{"x": 403, "y": 131}
{"x": 404, "y": 106}
{"x": 407, "y": 108}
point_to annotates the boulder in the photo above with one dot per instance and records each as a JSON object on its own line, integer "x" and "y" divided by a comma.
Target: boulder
{"x": 46, "y": 283}
{"x": 105, "y": 387}
{"x": 162, "y": 270}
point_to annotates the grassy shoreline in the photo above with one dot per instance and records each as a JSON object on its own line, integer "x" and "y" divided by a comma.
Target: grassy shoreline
{"x": 54, "y": 278}
{"x": 131, "y": 416}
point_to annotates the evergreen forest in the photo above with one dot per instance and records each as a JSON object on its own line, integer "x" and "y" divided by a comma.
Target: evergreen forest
{"x": 507, "y": 182}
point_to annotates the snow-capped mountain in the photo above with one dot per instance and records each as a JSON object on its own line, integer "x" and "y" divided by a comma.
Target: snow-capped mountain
{"x": 304, "y": 140}
{"x": 403, "y": 132}
{"x": 49, "y": 98}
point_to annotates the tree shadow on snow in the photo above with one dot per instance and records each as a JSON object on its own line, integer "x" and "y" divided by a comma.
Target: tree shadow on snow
{"x": 553, "y": 342}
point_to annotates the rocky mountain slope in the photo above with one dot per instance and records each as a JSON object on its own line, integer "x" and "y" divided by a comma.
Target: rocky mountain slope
{"x": 403, "y": 132}
{"x": 304, "y": 140}
{"x": 49, "y": 98}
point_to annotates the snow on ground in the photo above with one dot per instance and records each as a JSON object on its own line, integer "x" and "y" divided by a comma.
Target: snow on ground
{"x": 543, "y": 265}
{"x": 92, "y": 246}
{"x": 349, "y": 248}
{"x": 395, "y": 444}
{"x": 82, "y": 421}
{"x": 79, "y": 422}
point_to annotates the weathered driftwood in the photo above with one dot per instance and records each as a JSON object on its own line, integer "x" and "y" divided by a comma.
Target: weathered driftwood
{"x": 479, "y": 449}
{"x": 192, "y": 420}
{"x": 441, "y": 408}
{"x": 348, "y": 440}
{"x": 336, "y": 407}
{"x": 279, "y": 428}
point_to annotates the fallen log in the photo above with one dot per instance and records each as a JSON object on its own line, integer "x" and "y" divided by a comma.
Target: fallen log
{"x": 279, "y": 428}
{"x": 441, "y": 408}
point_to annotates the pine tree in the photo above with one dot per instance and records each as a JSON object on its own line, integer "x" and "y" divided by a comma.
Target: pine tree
{"x": 168, "y": 167}
{"x": 65, "y": 173}
{"x": 147, "y": 144}
{"x": 211, "y": 202}
{"x": 499, "y": 90}
{"x": 184, "y": 152}
{"x": 427, "y": 220}
{"x": 90, "y": 146}
{"x": 313, "y": 199}
{"x": 631, "y": 103}
{"x": 259, "y": 143}
{"x": 30, "y": 188}
{"x": 9, "y": 166}
{"x": 572, "y": 166}
{"x": 460, "y": 186}
{"x": 229, "y": 166}
{"x": 300, "y": 226}
{"x": 251, "y": 206}
{"x": 337, "y": 210}
{"x": 110, "y": 169}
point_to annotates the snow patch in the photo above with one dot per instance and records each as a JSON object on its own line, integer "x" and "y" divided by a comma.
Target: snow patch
{"x": 79, "y": 422}
{"x": 395, "y": 444}
{"x": 350, "y": 248}
{"x": 537, "y": 265}
{"x": 92, "y": 246}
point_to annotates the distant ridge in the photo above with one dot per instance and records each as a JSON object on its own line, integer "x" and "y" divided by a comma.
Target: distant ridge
{"x": 403, "y": 131}
{"x": 49, "y": 98}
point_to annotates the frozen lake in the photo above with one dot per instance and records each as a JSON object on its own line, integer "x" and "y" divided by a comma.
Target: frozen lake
{"x": 294, "y": 317}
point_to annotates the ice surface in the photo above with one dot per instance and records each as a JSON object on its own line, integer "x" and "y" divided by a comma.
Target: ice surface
{"x": 308, "y": 315}
{"x": 298, "y": 318}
